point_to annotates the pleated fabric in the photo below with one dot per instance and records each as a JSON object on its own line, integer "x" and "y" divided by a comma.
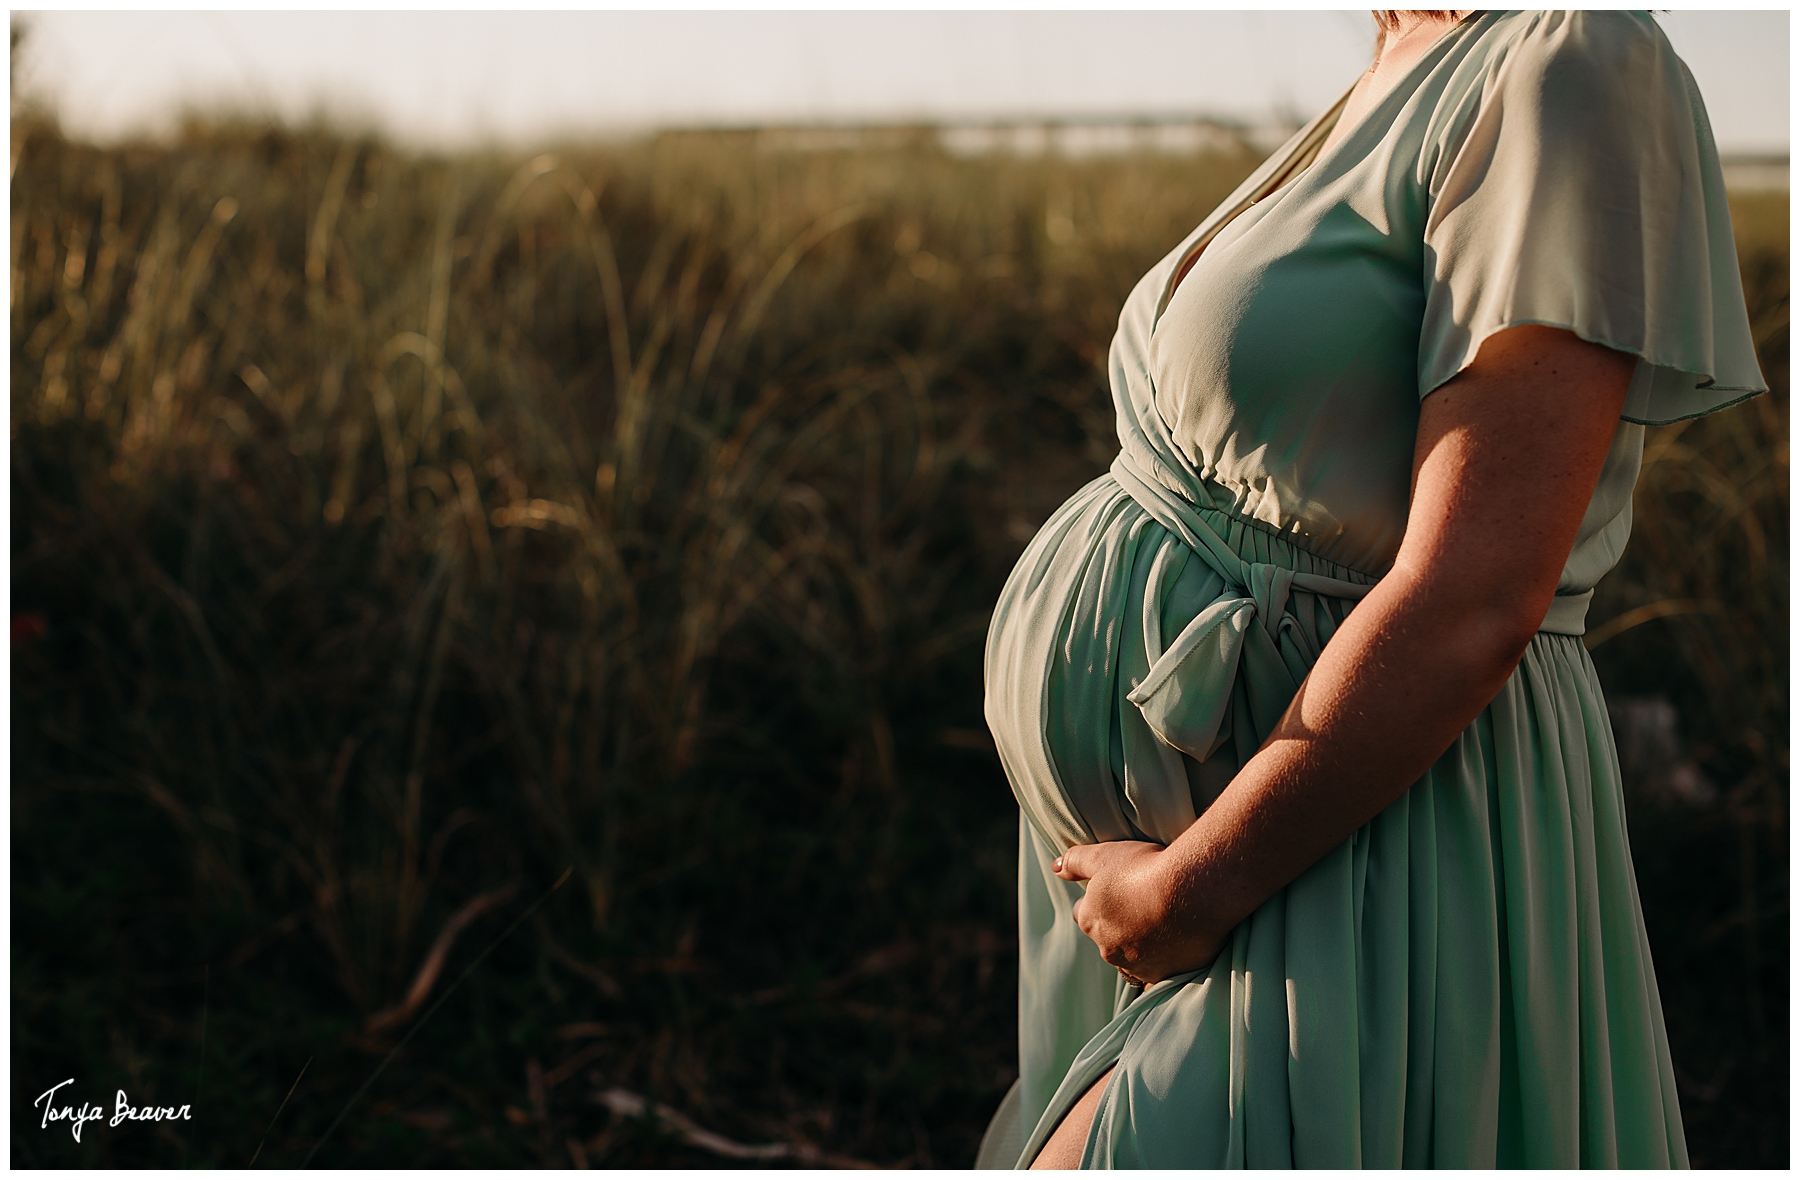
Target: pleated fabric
{"x": 1465, "y": 982}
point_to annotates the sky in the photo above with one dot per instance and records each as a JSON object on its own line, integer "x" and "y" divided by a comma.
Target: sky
{"x": 452, "y": 79}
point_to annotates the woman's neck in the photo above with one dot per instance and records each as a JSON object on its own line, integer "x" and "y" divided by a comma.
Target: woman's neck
{"x": 1404, "y": 34}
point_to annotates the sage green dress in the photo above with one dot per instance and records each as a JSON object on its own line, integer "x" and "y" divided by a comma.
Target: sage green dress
{"x": 1465, "y": 981}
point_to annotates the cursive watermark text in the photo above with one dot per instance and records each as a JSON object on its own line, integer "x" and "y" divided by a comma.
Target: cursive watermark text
{"x": 79, "y": 1115}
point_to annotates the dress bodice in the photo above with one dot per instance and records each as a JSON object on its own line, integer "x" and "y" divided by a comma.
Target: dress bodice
{"x": 1551, "y": 168}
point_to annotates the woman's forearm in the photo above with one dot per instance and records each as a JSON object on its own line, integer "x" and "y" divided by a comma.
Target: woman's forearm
{"x": 1509, "y": 455}
{"x": 1407, "y": 672}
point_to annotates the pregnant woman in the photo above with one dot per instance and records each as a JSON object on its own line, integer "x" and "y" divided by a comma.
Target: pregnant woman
{"x": 1323, "y": 858}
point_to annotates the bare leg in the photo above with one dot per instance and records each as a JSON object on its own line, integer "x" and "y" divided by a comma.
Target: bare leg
{"x": 1066, "y": 1143}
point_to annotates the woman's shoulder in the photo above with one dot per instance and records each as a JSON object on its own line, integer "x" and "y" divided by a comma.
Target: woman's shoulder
{"x": 1578, "y": 55}
{"x": 1583, "y": 85}
{"x": 1571, "y": 179}
{"x": 1600, "y": 38}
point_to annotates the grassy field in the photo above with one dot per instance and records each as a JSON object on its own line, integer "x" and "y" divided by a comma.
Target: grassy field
{"x": 395, "y": 537}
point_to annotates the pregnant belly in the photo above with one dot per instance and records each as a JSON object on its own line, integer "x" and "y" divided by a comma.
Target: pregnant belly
{"x": 1131, "y": 665}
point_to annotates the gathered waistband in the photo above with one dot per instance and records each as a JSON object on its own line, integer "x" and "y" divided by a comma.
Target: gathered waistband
{"x": 1174, "y": 511}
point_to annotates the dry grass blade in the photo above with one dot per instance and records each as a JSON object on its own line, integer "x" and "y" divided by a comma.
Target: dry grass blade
{"x": 1644, "y": 614}
{"x": 284, "y": 1101}
{"x": 434, "y": 959}
{"x": 629, "y": 1105}
{"x": 411, "y": 1032}
{"x": 600, "y": 979}
{"x": 318, "y": 242}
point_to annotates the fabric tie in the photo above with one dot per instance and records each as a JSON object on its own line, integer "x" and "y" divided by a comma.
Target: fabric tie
{"x": 1250, "y": 626}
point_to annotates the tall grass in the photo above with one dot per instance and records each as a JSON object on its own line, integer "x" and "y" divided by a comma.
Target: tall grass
{"x": 1696, "y": 619}
{"x": 404, "y": 530}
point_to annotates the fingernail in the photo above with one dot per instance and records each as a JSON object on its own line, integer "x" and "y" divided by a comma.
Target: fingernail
{"x": 1056, "y": 865}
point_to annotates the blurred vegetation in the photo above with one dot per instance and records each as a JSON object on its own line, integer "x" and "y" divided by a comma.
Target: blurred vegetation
{"x": 1690, "y": 636}
{"x": 393, "y": 532}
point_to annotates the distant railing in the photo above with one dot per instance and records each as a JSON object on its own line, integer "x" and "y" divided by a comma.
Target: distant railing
{"x": 1095, "y": 135}
{"x": 1756, "y": 173}
{"x": 1059, "y": 135}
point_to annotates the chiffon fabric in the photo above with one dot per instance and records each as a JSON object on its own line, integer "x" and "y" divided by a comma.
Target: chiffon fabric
{"x": 1465, "y": 981}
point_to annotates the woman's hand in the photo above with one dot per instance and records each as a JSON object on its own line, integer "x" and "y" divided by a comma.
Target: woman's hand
{"x": 1135, "y": 914}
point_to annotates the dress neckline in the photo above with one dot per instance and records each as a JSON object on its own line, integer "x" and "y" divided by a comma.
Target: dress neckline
{"x": 1301, "y": 157}
{"x": 1405, "y": 81}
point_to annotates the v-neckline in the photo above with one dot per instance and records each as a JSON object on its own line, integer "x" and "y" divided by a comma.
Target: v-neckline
{"x": 1399, "y": 82}
{"x": 1302, "y": 156}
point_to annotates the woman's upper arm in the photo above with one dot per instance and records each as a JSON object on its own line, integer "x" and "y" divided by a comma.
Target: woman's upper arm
{"x": 1508, "y": 455}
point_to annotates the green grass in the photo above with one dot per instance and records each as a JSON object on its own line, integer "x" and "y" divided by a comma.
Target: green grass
{"x": 407, "y": 528}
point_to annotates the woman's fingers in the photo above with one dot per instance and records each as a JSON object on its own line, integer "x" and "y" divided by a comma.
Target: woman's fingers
{"x": 1083, "y": 861}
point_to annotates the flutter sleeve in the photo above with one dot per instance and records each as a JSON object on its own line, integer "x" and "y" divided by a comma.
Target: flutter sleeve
{"x": 1574, "y": 182}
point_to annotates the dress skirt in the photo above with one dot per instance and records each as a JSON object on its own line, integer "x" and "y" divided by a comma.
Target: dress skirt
{"x": 1465, "y": 982}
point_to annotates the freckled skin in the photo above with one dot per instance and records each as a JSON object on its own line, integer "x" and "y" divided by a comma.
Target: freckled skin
{"x": 1509, "y": 453}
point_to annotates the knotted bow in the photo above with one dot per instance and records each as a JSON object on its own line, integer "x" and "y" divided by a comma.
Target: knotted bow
{"x": 1187, "y": 694}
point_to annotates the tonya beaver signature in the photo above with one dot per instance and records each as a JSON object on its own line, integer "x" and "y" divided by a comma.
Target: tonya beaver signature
{"x": 87, "y": 1112}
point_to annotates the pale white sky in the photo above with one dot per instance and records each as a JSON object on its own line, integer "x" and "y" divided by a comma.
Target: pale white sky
{"x": 454, "y": 78}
